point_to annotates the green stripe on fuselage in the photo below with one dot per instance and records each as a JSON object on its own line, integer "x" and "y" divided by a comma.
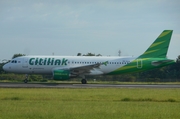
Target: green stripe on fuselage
{"x": 145, "y": 64}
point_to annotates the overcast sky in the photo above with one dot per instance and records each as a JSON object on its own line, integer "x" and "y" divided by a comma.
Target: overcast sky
{"x": 68, "y": 27}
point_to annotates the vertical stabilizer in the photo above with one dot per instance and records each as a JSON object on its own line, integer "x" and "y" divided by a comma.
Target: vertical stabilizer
{"x": 159, "y": 47}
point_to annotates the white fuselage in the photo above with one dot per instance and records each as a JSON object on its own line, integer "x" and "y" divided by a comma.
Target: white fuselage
{"x": 47, "y": 64}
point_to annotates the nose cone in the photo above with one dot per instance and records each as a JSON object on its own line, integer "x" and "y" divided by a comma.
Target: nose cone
{"x": 5, "y": 67}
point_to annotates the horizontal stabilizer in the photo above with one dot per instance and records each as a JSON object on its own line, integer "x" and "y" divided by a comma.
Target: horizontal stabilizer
{"x": 157, "y": 63}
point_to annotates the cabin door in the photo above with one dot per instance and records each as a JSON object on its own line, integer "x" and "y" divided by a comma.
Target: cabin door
{"x": 25, "y": 63}
{"x": 139, "y": 63}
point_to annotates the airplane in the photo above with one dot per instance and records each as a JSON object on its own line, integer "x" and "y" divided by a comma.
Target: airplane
{"x": 66, "y": 67}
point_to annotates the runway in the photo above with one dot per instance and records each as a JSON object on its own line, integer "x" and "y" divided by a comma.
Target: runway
{"x": 58, "y": 85}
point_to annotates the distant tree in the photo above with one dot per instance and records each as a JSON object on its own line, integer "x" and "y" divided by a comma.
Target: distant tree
{"x": 98, "y": 55}
{"x": 89, "y": 54}
{"x": 79, "y": 54}
{"x": 1, "y": 69}
{"x": 178, "y": 59}
{"x": 175, "y": 66}
{"x": 174, "y": 70}
{"x": 17, "y": 55}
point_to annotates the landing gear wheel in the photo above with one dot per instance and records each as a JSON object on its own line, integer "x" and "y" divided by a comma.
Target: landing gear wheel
{"x": 25, "y": 80}
{"x": 84, "y": 81}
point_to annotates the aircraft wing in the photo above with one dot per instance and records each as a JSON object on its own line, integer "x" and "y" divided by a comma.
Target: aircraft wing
{"x": 79, "y": 70}
{"x": 84, "y": 69}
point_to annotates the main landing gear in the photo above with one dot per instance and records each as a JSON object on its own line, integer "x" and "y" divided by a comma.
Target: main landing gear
{"x": 26, "y": 78}
{"x": 84, "y": 81}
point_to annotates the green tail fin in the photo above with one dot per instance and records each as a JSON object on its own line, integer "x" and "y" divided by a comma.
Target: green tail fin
{"x": 159, "y": 47}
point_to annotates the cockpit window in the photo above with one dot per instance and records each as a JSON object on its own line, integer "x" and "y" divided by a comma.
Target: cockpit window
{"x": 14, "y": 61}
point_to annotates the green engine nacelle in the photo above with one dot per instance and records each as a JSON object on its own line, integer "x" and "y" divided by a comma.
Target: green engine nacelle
{"x": 61, "y": 74}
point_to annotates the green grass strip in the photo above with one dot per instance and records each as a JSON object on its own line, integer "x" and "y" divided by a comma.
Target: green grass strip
{"x": 100, "y": 103}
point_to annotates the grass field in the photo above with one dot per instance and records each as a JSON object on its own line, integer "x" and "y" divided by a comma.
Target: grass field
{"x": 103, "y": 103}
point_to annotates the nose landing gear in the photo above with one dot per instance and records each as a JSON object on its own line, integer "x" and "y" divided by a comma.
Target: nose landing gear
{"x": 84, "y": 81}
{"x": 26, "y": 78}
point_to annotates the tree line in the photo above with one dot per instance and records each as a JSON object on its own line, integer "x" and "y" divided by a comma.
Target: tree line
{"x": 169, "y": 73}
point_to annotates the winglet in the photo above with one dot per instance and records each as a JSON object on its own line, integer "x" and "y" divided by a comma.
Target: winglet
{"x": 159, "y": 47}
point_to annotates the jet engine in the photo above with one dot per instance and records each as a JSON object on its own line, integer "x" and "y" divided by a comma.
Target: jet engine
{"x": 61, "y": 74}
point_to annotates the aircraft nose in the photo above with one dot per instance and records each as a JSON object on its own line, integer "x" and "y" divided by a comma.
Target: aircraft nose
{"x": 5, "y": 67}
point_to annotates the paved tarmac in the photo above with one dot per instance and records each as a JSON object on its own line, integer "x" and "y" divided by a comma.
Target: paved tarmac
{"x": 58, "y": 85}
